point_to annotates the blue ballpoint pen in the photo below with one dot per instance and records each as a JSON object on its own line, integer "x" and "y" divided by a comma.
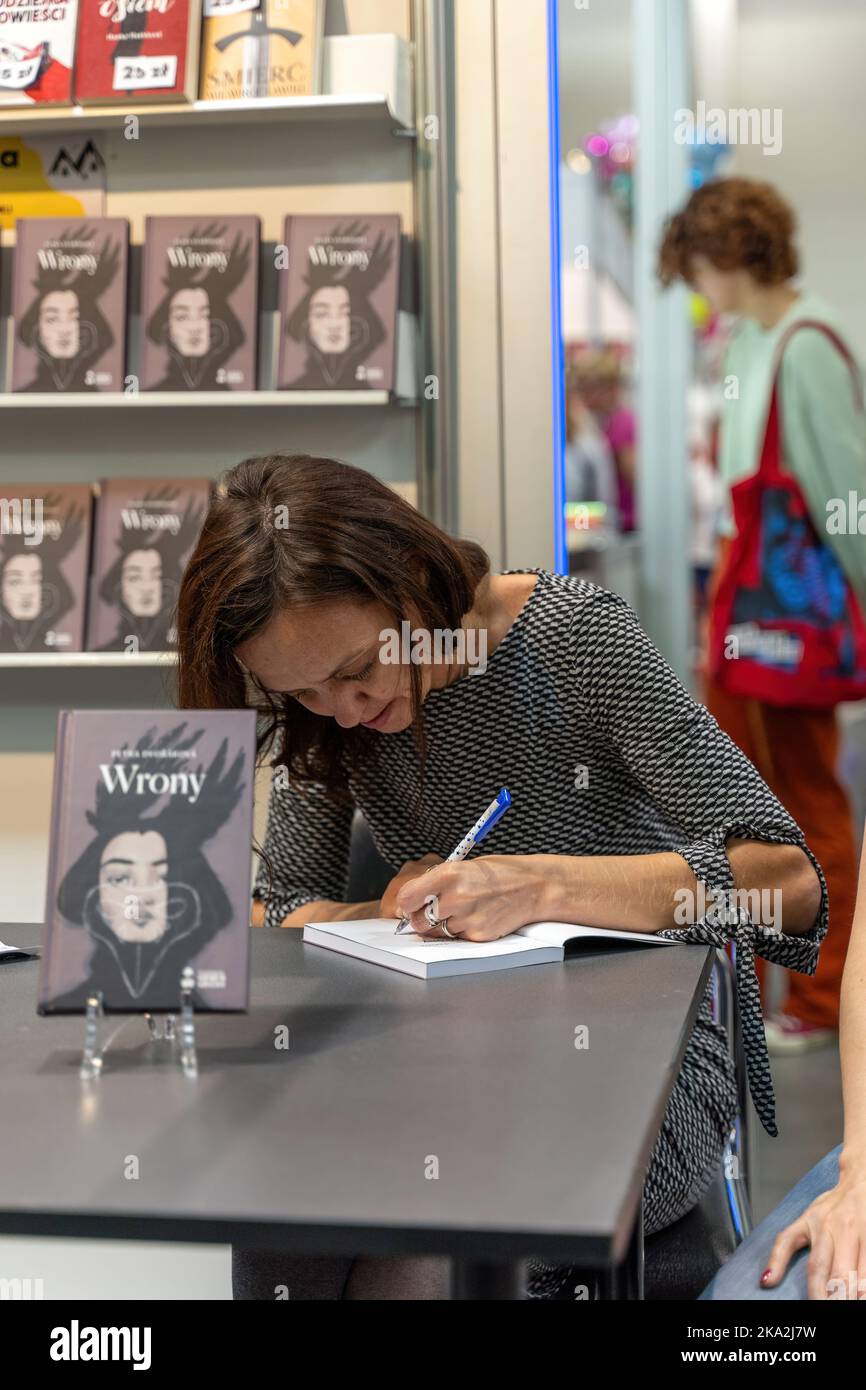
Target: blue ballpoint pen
{"x": 495, "y": 811}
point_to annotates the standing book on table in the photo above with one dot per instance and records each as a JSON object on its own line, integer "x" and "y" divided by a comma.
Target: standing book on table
{"x": 338, "y": 301}
{"x": 69, "y": 304}
{"x": 199, "y": 303}
{"x": 144, "y": 532}
{"x": 149, "y": 864}
{"x": 44, "y": 550}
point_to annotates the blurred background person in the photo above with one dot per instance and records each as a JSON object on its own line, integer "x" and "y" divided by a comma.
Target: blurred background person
{"x": 707, "y": 496}
{"x": 601, "y": 384}
{"x": 590, "y": 471}
{"x": 734, "y": 244}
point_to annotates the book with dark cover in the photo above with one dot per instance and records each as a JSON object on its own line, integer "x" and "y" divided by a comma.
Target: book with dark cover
{"x": 149, "y": 865}
{"x": 199, "y": 308}
{"x": 139, "y": 50}
{"x": 69, "y": 304}
{"x": 261, "y": 48}
{"x": 144, "y": 532}
{"x": 37, "y": 42}
{"x": 338, "y": 300}
{"x": 44, "y": 550}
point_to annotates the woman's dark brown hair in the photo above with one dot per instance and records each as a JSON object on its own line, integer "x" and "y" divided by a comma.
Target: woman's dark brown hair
{"x": 738, "y": 224}
{"x": 291, "y": 531}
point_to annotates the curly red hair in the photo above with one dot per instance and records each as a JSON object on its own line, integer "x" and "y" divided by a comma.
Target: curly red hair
{"x": 738, "y": 224}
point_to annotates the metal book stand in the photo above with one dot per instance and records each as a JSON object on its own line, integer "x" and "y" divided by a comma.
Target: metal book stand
{"x": 166, "y": 1031}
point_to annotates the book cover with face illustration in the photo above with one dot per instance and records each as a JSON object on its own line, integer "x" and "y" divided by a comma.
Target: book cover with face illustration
{"x": 44, "y": 550}
{"x": 144, "y": 50}
{"x": 338, "y": 299}
{"x": 261, "y": 48}
{"x": 149, "y": 864}
{"x": 37, "y": 43}
{"x": 69, "y": 304}
{"x": 144, "y": 532}
{"x": 199, "y": 308}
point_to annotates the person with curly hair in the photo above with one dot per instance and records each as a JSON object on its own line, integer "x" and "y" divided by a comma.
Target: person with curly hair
{"x": 733, "y": 243}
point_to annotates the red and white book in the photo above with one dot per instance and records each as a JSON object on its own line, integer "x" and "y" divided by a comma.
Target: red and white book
{"x": 137, "y": 50}
{"x": 37, "y": 43}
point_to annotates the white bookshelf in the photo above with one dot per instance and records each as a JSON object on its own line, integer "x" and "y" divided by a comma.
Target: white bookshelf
{"x": 85, "y": 660}
{"x": 372, "y": 109}
{"x": 194, "y": 400}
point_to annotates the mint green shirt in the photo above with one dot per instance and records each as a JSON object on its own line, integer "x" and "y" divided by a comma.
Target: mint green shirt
{"x": 823, "y": 433}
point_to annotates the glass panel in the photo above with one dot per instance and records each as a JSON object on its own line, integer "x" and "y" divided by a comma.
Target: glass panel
{"x": 597, "y": 153}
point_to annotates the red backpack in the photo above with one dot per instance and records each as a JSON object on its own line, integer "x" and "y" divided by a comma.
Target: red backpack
{"x": 785, "y": 626}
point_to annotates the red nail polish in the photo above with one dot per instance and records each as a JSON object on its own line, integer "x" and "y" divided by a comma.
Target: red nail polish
{"x": 765, "y": 1276}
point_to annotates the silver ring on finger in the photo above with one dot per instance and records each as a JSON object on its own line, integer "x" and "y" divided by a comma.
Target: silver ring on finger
{"x": 431, "y": 911}
{"x": 431, "y": 914}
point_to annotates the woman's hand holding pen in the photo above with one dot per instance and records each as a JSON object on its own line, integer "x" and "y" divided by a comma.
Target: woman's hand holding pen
{"x": 482, "y": 899}
{"x": 413, "y": 869}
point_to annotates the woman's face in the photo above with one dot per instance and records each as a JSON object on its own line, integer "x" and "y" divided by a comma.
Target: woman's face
{"x": 331, "y": 319}
{"x": 328, "y": 658}
{"x": 720, "y": 288}
{"x": 189, "y": 322}
{"x": 133, "y": 892}
{"x": 59, "y": 330}
{"x": 21, "y": 590}
{"x": 141, "y": 583}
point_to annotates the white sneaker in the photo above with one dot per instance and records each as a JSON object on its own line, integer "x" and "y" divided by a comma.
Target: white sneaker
{"x": 787, "y": 1036}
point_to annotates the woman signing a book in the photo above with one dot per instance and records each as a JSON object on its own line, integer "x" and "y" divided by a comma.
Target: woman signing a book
{"x": 397, "y": 675}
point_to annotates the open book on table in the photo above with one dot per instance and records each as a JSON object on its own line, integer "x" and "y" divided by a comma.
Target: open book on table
{"x": 539, "y": 944}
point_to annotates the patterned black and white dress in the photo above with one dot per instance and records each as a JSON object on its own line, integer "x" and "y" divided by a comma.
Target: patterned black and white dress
{"x": 576, "y": 684}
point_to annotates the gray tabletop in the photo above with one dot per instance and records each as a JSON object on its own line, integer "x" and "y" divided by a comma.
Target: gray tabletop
{"x": 448, "y": 1116}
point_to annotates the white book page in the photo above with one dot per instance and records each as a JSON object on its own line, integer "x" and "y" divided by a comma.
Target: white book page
{"x": 14, "y": 950}
{"x": 380, "y": 933}
{"x": 559, "y": 933}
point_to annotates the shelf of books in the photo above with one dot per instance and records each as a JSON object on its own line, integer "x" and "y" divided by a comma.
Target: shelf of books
{"x": 209, "y": 216}
{"x": 333, "y": 322}
{"x": 97, "y": 63}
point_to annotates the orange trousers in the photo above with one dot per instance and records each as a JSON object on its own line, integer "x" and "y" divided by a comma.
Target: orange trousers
{"x": 796, "y": 753}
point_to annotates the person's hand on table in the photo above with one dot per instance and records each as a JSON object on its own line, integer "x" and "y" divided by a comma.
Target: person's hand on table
{"x": 322, "y": 910}
{"x": 835, "y": 1228}
{"x": 482, "y": 899}
{"x": 413, "y": 869}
